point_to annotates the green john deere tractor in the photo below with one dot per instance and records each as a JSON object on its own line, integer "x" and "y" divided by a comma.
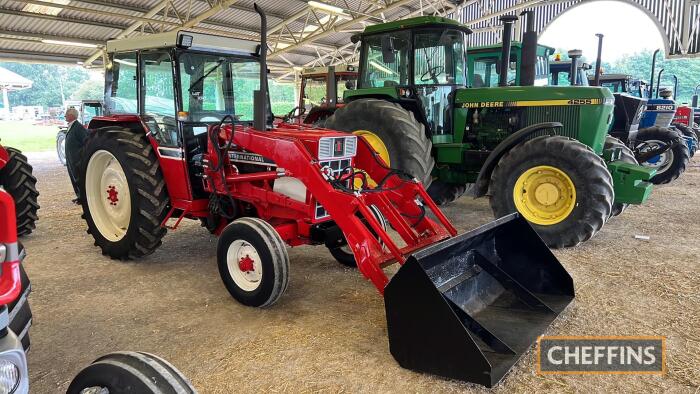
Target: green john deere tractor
{"x": 413, "y": 104}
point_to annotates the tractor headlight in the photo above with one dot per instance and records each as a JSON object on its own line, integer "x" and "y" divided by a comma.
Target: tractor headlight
{"x": 9, "y": 376}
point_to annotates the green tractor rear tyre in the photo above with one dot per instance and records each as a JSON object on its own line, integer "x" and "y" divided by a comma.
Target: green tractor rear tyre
{"x": 626, "y": 156}
{"x": 408, "y": 145}
{"x": 556, "y": 183}
{"x": 444, "y": 193}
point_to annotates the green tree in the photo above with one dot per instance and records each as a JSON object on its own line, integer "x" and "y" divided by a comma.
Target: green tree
{"x": 52, "y": 83}
{"x": 89, "y": 90}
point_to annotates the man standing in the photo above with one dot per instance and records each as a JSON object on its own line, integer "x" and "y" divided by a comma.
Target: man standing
{"x": 75, "y": 140}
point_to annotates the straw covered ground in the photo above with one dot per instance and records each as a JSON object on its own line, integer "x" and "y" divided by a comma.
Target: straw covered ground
{"x": 328, "y": 332}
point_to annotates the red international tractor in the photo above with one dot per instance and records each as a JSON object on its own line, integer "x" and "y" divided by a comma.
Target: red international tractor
{"x": 321, "y": 92}
{"x": 462, "y": 306}
{"x": 17, "y": 179}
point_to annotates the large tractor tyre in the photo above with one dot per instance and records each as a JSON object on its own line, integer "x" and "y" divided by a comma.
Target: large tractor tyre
{"x": 130, "y": 372}
{"x": 408, "y": 146}
{"x": 670, "y": 164}
{"x": 689, "y": 133}
{"x": 253, "y": 262}
{"x": 343, "y": 254}
{"x": 556, "y": 183}
{"x": 444, "y": 193}
{"x": 626, "y": 156}
{"x": 61, "y": 146}
{"x": 19, "y": 312}
{"x": 17, "y": 179}
{"x": 124, "y": 196}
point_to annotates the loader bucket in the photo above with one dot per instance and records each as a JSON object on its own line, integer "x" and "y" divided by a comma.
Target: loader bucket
{"x": 469, "y": 307}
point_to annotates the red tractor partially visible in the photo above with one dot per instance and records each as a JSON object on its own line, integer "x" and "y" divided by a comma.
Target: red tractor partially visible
{"x": 321, "y": 92}
{"x": 17, "y": 179}
{"x": 196, "y": 149}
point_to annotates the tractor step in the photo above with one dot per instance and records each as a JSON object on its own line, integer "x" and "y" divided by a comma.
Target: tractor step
{"x": 469, "y": 307}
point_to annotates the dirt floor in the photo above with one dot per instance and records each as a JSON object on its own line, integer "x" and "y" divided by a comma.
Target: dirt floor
{"x": 328, "y": 332}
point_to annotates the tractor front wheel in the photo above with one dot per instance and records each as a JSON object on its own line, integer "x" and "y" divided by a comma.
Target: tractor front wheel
{"x": 61, "y": 146}
{"x": 253, "y": 262}
{"x": 670, "y": 164}
{"x": 17, "y": 179}
{"x": 130, "y": 372}
{"x": 626, "y": 156}
{"x": 343, "y": 254}
{"x": 124, "y": 196}
{"x": 404, "y": 137}
{"x": 557, "y": 184}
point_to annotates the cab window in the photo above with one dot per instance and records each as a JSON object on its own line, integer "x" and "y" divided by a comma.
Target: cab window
{"x": 386, "y": 60}
{"x": 439, "y": 57}
{"x": 159, "y": 97}
{"x": 122, "y": 93}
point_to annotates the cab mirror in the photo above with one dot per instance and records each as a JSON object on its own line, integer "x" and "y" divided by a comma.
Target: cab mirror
{"x": 388, "y": 52}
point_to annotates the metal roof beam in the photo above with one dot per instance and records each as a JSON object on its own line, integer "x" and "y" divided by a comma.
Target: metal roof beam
{"x": 143, "y": 10}
{"x": 38, "y": 37}
{"x": 62, "y": 19}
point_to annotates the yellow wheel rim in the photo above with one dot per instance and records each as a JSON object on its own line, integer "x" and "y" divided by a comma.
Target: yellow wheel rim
{"x": 376, "y": 143}
{"x": 544, "y": 195}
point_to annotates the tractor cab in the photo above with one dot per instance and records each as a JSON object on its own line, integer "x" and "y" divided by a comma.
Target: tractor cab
{"x": 483, "y": 65}
{"x": 421, "y": 59}
{"x": 322, "y": 91}
{"x": 175, "y": 85}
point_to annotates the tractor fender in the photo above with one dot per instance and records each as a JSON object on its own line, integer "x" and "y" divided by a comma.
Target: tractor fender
{"x": 482, "y": 181}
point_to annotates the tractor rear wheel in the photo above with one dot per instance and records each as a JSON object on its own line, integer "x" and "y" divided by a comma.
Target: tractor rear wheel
{"x": 404, "y": 137}
{"x": 130, "y": 372}
{"x": 253, "y": 262}
{"x": 626, "y": 156}
{"x": 61, "y": 146}
{"x": 688, "y": 133}
{"x": 444, "y": 193}
{"x": 124, "y": 195}
{"x": 17, "y": 179}
{"x": 556, "y": 183}
{"x": 670, "y": 164}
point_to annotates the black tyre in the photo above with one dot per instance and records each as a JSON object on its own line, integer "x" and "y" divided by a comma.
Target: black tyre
{"x": 670, "y": 164}
{"x": 444, "y": 193}
{"x": 626, "y": 156}
{"x": 410, "y": 150}
{"x": 61, "y": 146}
{"x": 562, "y": 188}
{"x": 688, "y": 133}
{"x": 253, "y": 262}
{"x": 343, "y": 254}
{"x": 124, "y": 194}
{"x": 17, "y": 179}
{"x": 130, "y": 372}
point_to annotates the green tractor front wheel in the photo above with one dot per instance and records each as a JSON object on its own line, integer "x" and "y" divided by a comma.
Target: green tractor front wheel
{"x": 557, "y": 184}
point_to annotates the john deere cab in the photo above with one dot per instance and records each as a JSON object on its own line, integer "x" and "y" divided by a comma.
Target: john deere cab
{"x": 483, "y": 62}
{"x": 535, "y": 150}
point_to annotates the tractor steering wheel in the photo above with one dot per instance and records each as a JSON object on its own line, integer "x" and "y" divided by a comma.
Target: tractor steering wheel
{"x": 432, "y": 74}
{"x": 291, "y": 115}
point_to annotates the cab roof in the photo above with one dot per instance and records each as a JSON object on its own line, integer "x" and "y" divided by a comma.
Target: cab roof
{"x": 419, "y": 21}
{"x": 177, "y": 38}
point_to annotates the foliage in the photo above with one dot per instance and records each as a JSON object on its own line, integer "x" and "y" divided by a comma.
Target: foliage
{"x": 52, "y": 83}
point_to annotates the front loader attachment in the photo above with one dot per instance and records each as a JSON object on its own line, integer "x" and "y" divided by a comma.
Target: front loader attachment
{"x": 468, "y": 308}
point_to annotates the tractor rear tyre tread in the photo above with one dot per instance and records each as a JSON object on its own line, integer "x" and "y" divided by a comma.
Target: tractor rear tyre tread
{"x": 626, "y": 156}
{"x": 444, "y": 193}
{"x": 587, "y": 171}
{"x": 17, "y": 179}
{"x": 410, "y": 149}
{"x": 688, "y": 132}
{"x": 273, "y": 258}
{"x": 148, "y": 192}
{"x": 680, "y": 152}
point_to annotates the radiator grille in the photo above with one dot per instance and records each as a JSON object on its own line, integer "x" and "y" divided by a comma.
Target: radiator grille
{"x": 336, "y": 167}
{"x": 568, "y": 115}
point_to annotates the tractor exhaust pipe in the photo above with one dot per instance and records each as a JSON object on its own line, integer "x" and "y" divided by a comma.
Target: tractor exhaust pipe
{"x": 658, "y": 83}
{"x": 675, "y": 86}
{"x": 598, "y": 65}
{"x": 260, "y": 96}
{"x": 574, "y": 55}
{"x": 695, "y": 97}
{"x": 529, "y": 51}
{"x": 508, "y": 21}
{"x": 653, "y": 73}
